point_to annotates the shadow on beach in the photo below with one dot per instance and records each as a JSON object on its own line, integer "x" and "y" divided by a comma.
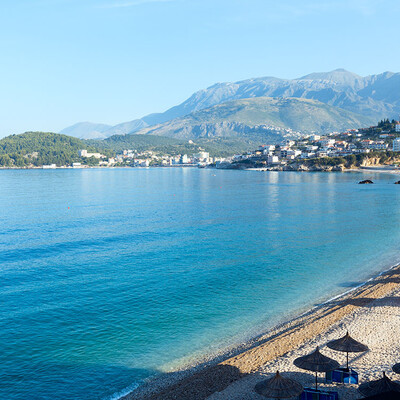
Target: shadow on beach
{"x": 395, "y": 278}
{"x": 390, "y": 301}
{"x": 198, "y": 386}
{"x": 306, "y": 379}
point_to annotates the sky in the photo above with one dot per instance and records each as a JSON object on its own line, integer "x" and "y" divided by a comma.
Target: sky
{"x": 111, "y": 61}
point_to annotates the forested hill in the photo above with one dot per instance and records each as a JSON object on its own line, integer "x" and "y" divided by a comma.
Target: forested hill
{"x": 43, "y": 148}
{"x": 220, "y": 146}
{"x": 39, "y": 148}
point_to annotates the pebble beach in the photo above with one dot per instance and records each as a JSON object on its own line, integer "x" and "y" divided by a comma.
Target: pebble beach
{"x": 371, "y": 314}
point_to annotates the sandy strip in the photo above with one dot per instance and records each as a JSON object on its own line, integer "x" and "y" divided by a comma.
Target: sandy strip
{"x": 371, "y": 313}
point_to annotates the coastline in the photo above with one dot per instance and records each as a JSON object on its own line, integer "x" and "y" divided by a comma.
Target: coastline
{"x": 206, "y": 379}
{"x": 373, "y": 169}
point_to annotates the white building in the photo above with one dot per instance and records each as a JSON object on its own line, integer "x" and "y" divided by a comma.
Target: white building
{"x": 273, "y": 159}
{"x": 378, "y": 146}
{"x": 268, "y": 149}
{"x": 184, "y": 159}
{"x": 308, "y": 155}
{"x": 84, "y": 153}
{"x": 202, "y": 156}
{"x": 311, "y": 148}
{"x": 288, "y": 143}
{"x": 326, "y": 142}
{"x": 51, "y": 166}
{"x": 142, "y": 163}
{"x": 293, "y": 153}
{"x": 396, "y": 144}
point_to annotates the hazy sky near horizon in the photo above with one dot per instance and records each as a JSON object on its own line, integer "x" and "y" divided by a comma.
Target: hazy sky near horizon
{"x": 110, "y": 61}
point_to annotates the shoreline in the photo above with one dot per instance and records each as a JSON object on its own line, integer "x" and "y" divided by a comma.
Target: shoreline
{"x": 206, "y": 378}
{"x": 378, "y": 168}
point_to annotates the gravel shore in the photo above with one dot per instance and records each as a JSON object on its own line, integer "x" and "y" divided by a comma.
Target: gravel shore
{"x": 371, "y": 314}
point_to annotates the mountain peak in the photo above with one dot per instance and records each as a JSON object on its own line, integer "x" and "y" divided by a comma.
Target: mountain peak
{"x": 339, "y": 75}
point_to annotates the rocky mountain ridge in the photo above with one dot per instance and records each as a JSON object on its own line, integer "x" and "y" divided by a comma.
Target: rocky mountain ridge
{"x": 373, "y": 96}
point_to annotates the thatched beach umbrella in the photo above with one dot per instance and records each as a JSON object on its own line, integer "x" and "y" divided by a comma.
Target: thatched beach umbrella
{"x": 379, "y": 386}
{"x": 316, "y": 362}
{"x": 384, "y": 396}
{"x": 278, "y": 387}
{"x": 348, "y": 345}
{"x": 396, "y": 368}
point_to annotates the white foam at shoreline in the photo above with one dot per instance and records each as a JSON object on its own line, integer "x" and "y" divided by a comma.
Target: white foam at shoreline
{"x": 123, "y": 392}
{"x": 235, "y": 349}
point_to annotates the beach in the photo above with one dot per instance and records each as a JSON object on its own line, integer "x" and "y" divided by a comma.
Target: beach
{"x": 371, "y": 314}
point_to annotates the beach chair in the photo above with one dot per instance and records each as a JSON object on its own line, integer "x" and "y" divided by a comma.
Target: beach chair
{"x": 313, "y": 394}
{"x": 342, "y": 375}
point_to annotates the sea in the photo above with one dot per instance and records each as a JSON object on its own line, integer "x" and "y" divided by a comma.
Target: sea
{"x": 109, "y": 277}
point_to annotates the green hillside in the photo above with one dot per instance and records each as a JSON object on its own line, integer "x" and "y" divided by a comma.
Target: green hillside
{"x": 166, "y": 145}
{"x": 38, "y": 148}
{"x": 41, "y": 148}
{"x": 251, "y": 117}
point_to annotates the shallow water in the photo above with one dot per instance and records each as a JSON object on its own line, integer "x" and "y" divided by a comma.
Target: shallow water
{"x": 112, "y": 275}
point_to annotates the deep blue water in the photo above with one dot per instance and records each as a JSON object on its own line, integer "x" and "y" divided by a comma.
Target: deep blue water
{"x": 109, "y": 276}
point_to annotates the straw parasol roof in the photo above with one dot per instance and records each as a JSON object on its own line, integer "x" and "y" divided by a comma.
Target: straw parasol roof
{"x": 316, "y": 362}
{"x": 379, "y": 387}
{"x": 347, "y": 344}
{"x": 396, "y": 368}
{"x": 383, "y": 396}
{"x": 278, "y": 387}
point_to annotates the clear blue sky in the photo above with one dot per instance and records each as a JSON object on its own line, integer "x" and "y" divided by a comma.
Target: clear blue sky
{"x": 110, "y": 61}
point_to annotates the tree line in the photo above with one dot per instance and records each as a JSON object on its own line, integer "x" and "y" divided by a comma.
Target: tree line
{"x": 42, "y": 148}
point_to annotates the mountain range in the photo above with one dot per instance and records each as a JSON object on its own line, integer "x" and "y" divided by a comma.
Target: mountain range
{"x": 360, "y": 100}
{"x": 265, "y": 117}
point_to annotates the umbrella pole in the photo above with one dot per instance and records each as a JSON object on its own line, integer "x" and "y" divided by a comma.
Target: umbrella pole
{"x": 347, "y": 356}
{"x": 316, "y": 381}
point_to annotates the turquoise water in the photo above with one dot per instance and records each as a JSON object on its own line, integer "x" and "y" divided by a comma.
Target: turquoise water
{"x": 110, "y": 276}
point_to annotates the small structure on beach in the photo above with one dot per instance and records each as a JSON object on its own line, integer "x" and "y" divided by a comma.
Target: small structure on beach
{"x": 379, "y": 387}
{"x": 278, "y": 387}
{"x": 347, "y": 345}
{"x": 365, "y": 182}
{"x": 316, "y": 362}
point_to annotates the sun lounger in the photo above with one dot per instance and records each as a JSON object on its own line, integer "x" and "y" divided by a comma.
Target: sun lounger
{"x": 342, "y": 375}
{"x": 312, "y": 394}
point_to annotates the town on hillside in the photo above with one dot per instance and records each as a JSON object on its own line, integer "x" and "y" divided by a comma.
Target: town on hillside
{"x": 381, "y": 138}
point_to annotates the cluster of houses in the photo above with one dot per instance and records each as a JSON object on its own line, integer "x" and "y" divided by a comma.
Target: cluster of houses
{"x": 316, "y": 146}
{"x": 335, "y": 144}
{"x": 147, "y": 158}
